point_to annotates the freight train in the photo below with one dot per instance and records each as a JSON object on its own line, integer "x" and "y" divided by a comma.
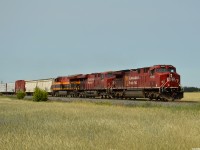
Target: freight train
{"x": 158, "y": 82}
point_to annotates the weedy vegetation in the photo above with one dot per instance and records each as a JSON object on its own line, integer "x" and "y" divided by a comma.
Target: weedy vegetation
{"x": 40, "y": 95}
{"x": 85, "y": 125}
{"x": 21, "y": 94}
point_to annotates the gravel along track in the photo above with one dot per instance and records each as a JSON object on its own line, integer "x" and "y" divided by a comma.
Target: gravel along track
{"x": 137, "y": 102}
{"x": 124, "y": 102}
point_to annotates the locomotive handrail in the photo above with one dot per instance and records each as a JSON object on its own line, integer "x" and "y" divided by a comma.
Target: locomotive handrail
{"x": 163, "y": 85}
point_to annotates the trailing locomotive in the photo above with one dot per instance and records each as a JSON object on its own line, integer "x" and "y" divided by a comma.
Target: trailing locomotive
{"x": 159, "y": 82}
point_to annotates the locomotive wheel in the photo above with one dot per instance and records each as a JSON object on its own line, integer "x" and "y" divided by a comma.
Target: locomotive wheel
{"x": 157, "y": 98}
{"x": 164, "y": 99}
{"x": 150, "y": 97}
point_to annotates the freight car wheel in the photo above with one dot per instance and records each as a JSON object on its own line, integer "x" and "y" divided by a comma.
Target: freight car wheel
{"x": 157, "y": 98}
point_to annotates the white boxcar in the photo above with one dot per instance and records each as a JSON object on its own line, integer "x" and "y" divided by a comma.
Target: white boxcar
{"x": 30, "y": 86}
{"x": 10, "y": 87}
{"x": 44, "y": 84}
{"x": 2, "y": 87}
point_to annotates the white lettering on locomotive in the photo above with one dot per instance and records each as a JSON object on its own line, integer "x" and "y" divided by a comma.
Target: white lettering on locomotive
{"x": 134, "y": 78}
{"x": 133, "y": 82}
{"x": 90, "y": 80}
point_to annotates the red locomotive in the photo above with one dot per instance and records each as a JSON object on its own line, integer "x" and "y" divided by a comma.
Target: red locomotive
{"x": 160, "y": 82}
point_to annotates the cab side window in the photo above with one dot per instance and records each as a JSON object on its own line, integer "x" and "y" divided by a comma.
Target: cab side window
{"x": 152, "y": 72}
{"x": 102, "y": 76}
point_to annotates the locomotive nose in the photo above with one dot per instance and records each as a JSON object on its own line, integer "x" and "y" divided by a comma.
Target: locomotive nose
{"x": 173, "y": 80}
{"x": 170, "y": 77}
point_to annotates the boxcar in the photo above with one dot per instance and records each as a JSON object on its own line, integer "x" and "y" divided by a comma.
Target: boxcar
{"x": 45, "y": 84}
{"x": 29, "y": 86}
{"x": 10, "y": 88}
{"x": 20, "y": 86}
{"x": 2, "y": 87}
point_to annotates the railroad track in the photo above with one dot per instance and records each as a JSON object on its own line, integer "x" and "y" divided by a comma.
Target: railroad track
{"x": 123, "y": 102}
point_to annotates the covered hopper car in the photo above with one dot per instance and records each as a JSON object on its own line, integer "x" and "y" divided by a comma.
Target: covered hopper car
{"x": 29, "y": 86}
{"x": 7, "y": 88}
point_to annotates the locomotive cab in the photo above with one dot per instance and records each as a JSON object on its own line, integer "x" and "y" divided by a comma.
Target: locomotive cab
{"x": 168, "y": 76}
{"x": 168, "y": 81}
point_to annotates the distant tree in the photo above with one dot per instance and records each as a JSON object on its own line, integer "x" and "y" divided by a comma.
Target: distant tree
{"x": 191, "y": 89}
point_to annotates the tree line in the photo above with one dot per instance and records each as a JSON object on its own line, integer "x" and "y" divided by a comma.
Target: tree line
{"x": 191, "y": 89}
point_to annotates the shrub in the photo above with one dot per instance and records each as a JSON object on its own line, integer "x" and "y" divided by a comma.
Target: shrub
{"x": 40, "y": 95}
{"x": 21, "y": 94}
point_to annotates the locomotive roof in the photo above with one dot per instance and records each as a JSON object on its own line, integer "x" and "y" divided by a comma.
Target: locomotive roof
{"x": 159, "y": 65}
{"x": 162, "y": 65}
{"x": 126, "y": 70}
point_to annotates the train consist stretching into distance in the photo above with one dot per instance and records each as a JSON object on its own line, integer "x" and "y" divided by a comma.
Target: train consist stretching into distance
{"x": 159, "y": 82}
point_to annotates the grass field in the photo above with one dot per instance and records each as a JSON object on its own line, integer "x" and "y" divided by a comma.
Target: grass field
{"x": 57, "y": 125}
{"x": 192, "y": 96}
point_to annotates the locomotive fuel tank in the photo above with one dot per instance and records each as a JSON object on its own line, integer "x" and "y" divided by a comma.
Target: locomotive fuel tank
{"x": 137, "y": 93}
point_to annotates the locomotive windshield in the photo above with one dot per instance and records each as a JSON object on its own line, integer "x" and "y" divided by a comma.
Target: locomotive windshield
{"x": 161, "y": 70}
{"x": 109, "y": 75}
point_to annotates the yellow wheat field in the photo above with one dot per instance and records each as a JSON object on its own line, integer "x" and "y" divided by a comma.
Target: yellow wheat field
{"x": 56, "y": 125}
{"x": 191, "y": 96}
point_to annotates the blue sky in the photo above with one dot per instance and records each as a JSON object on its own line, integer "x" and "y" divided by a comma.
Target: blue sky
{"x": 49, "y": 38}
